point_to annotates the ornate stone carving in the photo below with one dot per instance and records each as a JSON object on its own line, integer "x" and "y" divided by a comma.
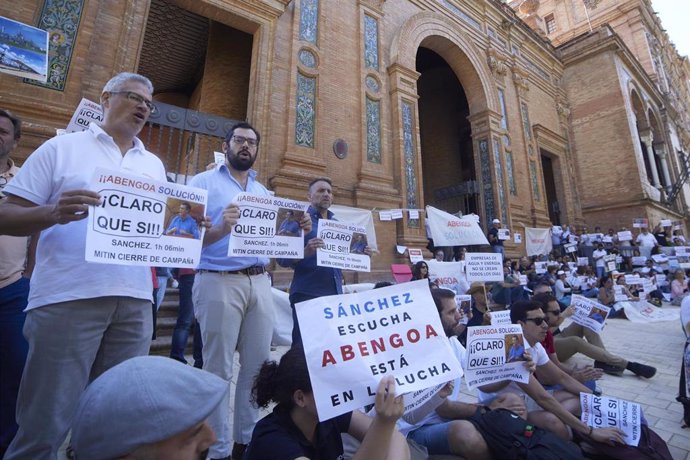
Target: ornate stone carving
{"x": 521, "y": 80}
{"x": 496, "y": 63}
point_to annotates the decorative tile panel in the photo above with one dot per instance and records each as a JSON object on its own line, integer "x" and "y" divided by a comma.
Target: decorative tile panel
{"x": 499, "y": 179}
{"x": 372, "y": 84}
{"x": 373, "y": 111}
{"x": 525, "y": 121}
{"x": 371, "y": 42}
{"x": 504, "y": 113}
{"x": 305, "y": 111}
{"x": 487, "y": 181}
{"x": 307, "y": 58}
{"x": 461, "y": 14}
{"x": 309, "y": 20}
{"x": 535, "y": 180}
{"x": 61, "y": 19}
{"x": 410, "y": 154}
{"x": 511, "y": 174}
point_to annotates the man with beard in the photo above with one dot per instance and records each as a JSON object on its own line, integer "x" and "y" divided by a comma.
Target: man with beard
{"x": 82, "y": 318}
{"x": 232, "y": 295}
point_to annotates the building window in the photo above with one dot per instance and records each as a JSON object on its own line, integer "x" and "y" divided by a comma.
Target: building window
{"x": 373, "y": 131}
{"x": 371, "y": 43}
{"x": 550, "y": 21}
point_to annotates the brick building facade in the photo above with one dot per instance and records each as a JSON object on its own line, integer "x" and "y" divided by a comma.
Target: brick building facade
{"x": 404, "y": 103}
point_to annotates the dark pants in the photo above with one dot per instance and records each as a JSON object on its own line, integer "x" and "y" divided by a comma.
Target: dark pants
{"x": 185, "y": 321}
{"x": 295, "y": 299}
{"x": 13, "y": 350}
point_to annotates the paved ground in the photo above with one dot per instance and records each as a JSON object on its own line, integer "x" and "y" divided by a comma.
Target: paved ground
{"x": 657, "y": 344}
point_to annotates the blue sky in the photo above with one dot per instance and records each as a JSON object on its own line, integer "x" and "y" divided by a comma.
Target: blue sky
{"x": 675, "y": 17}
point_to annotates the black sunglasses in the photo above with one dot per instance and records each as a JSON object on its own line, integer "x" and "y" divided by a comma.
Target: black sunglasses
{"x": 537, "y": 321}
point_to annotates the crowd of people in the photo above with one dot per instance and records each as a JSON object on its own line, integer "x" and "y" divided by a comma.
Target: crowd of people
{"x": 75, "y": 334}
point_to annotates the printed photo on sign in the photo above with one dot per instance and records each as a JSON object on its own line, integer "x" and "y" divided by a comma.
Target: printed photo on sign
{"x": 517, "y": 238}
{"x": 495, "y": 354}
{"x": 448, "y": 275}
{"x": 503, "y": 234}
{"x": 640, "y": 223}
{"x": 589, "y": 313}
{"x": 605, "y": 412}
{"x": 268, "y": 226}
{"x": 344, "y": 246}
{"x": 464, "y": 303}
{"x": 353, "y": 340}
{"x": 625, "y": 236}
{"x": 483, "y": 266}
{"x": 86, "y": 112}
{"x": 144, "y": 222}
{"x": 24, "y": 49}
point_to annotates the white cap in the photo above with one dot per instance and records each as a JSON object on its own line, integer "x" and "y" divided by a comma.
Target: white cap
{"x": 560, "y": 272}
{"x": 496, "y": 221}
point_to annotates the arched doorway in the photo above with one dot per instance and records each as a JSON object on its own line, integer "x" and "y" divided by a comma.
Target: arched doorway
{"x": 448, "y": 165}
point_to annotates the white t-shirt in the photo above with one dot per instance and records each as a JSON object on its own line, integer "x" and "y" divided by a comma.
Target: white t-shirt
{"x": 66, "y": 163}
{"x": 540, "y": 358}
{"x": 599, "y": 253}
{"x": 647, "y": 240}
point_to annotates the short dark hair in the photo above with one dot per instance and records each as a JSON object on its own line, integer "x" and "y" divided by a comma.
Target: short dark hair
{"x": 519, "y": 309}
{"x": 439, "y": 294}
{"x": 16, "y": 122}
{"x": 186, "y": 205}
{"x": 320, "y": 179}
{"x": 242, "y": 125}
{"x": 544, "y": 298}
{"x": 382, "y": 284}
{"x": 277, "y": 382}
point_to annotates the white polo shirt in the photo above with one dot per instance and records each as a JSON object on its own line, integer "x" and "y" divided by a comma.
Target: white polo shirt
{"x": 67, "y": 163}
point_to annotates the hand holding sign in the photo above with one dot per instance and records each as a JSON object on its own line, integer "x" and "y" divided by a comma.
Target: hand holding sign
{"x": 231, "y": 214}
{"x": 74, "y": 205}
{"x": 389, "y": 408}
{"x": 312, "y": 245}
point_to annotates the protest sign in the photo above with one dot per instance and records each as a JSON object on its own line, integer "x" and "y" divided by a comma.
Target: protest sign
{"x": 500, "y": 317}
{"x": 495, "y": 353}
{"x": 385, "y": 216}
{"x": 632, "y": 280}
{"x": 665, "y": 222}
{"x": 137, "y": 222}
{"x": 681, "y": 250}
{"x": 503, "y": 234}
{"x": 357, "y": 216}
{"x": 639, "y": 261}
{"x": 483, "y": 266}
{"x": 625, "y": 236}
{"x": 449, "y": 230}
{"x": 538, "y": 241}
{"x": 464, "y": 303}
{"x": 570, "y": 247}
{"x": 415, "y": 255}
{"x": 607, "y": 239}
{"x": 660, "y": 258}
{"x": 540, "y": 267}
{"x": 396, "y": 214}
{"x": 523, "y": 280}
{"x": 642, "y": 311}
{"x": 448, "y": 275}
{"x": 589, "y": 313}
{"x": 351, "y": 341}
{"x": 413, "y": 214}
{"x": 582, "y": 261}
{"x": 268, "y": 226}
{"x": 517, "y": 238}
{"x": 419, "y": 404}
{"x": 640, "y": 223}
{"x": 86, "y": 112}
{"x": 344, "y": 246}
{"x": 219, "y": 158}
{"x": 610, "y": 262}
{"x": 605, "y": 412}
{"x": 618, "y": 294}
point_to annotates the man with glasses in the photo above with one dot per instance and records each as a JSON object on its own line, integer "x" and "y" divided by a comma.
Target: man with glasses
{"x": 82, "y": 318}
{"x": 552, "y": 410}
{"x": 232, "y": 295}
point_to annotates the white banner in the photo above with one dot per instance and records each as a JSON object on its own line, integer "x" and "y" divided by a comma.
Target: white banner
{"x": 495, "y": 354}
{"x": 351, "y": 341}
{"x": 500, "y": 318}
{"x": 464, "y": 303}
{"x": 449, "y": 230}
{"x": 345, "y": 245}
{"x": 538, "y": 241}
{"x": 642, "y": 311}
{"x": 448, "y": 275}
{"x": 483, "y": 266}
{"x": 268, "y": 227}
{"x": 604, "y": 412}
{"x": 625, "y": 236}
{"x": 589, "y": 313}
{"x": 140, "y": 222}
{"x": 86, "y": 112}
{"x": 356, "y": 216}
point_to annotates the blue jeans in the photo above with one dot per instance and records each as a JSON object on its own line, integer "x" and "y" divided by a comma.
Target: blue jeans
{"x": 13, "y": 351}
{"x": 600, "y": 272}
{"x": 498, "y": 249}
{"x": 295, "y": 299}
{"x": 185, "y": 321}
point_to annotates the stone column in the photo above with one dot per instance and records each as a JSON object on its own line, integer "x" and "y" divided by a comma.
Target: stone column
{"x": 660, "y": 149}
{"x": 647, "y": 139}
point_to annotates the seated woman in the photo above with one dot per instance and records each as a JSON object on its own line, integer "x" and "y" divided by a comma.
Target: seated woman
{"x": 607, "y": 296}
{"x": 420, "y": 271}
{"x": 678, "y": 288}
{"x": 293, "y": 431}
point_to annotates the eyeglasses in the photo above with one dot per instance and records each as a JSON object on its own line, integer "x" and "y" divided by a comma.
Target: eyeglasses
{"x": 240, "y": 140}
{"x": 134, "y": 97}
{"x": 554, "y": 312}
{"x": 536, "y": 321}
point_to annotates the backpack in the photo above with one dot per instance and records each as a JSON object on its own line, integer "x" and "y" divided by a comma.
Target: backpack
{"x": 510, "y": 437}
{"x": 683, "y": 384}
{"x": 650, "y": 447}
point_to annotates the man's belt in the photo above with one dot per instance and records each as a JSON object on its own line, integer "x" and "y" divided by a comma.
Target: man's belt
{"x": 251, "y": 271}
